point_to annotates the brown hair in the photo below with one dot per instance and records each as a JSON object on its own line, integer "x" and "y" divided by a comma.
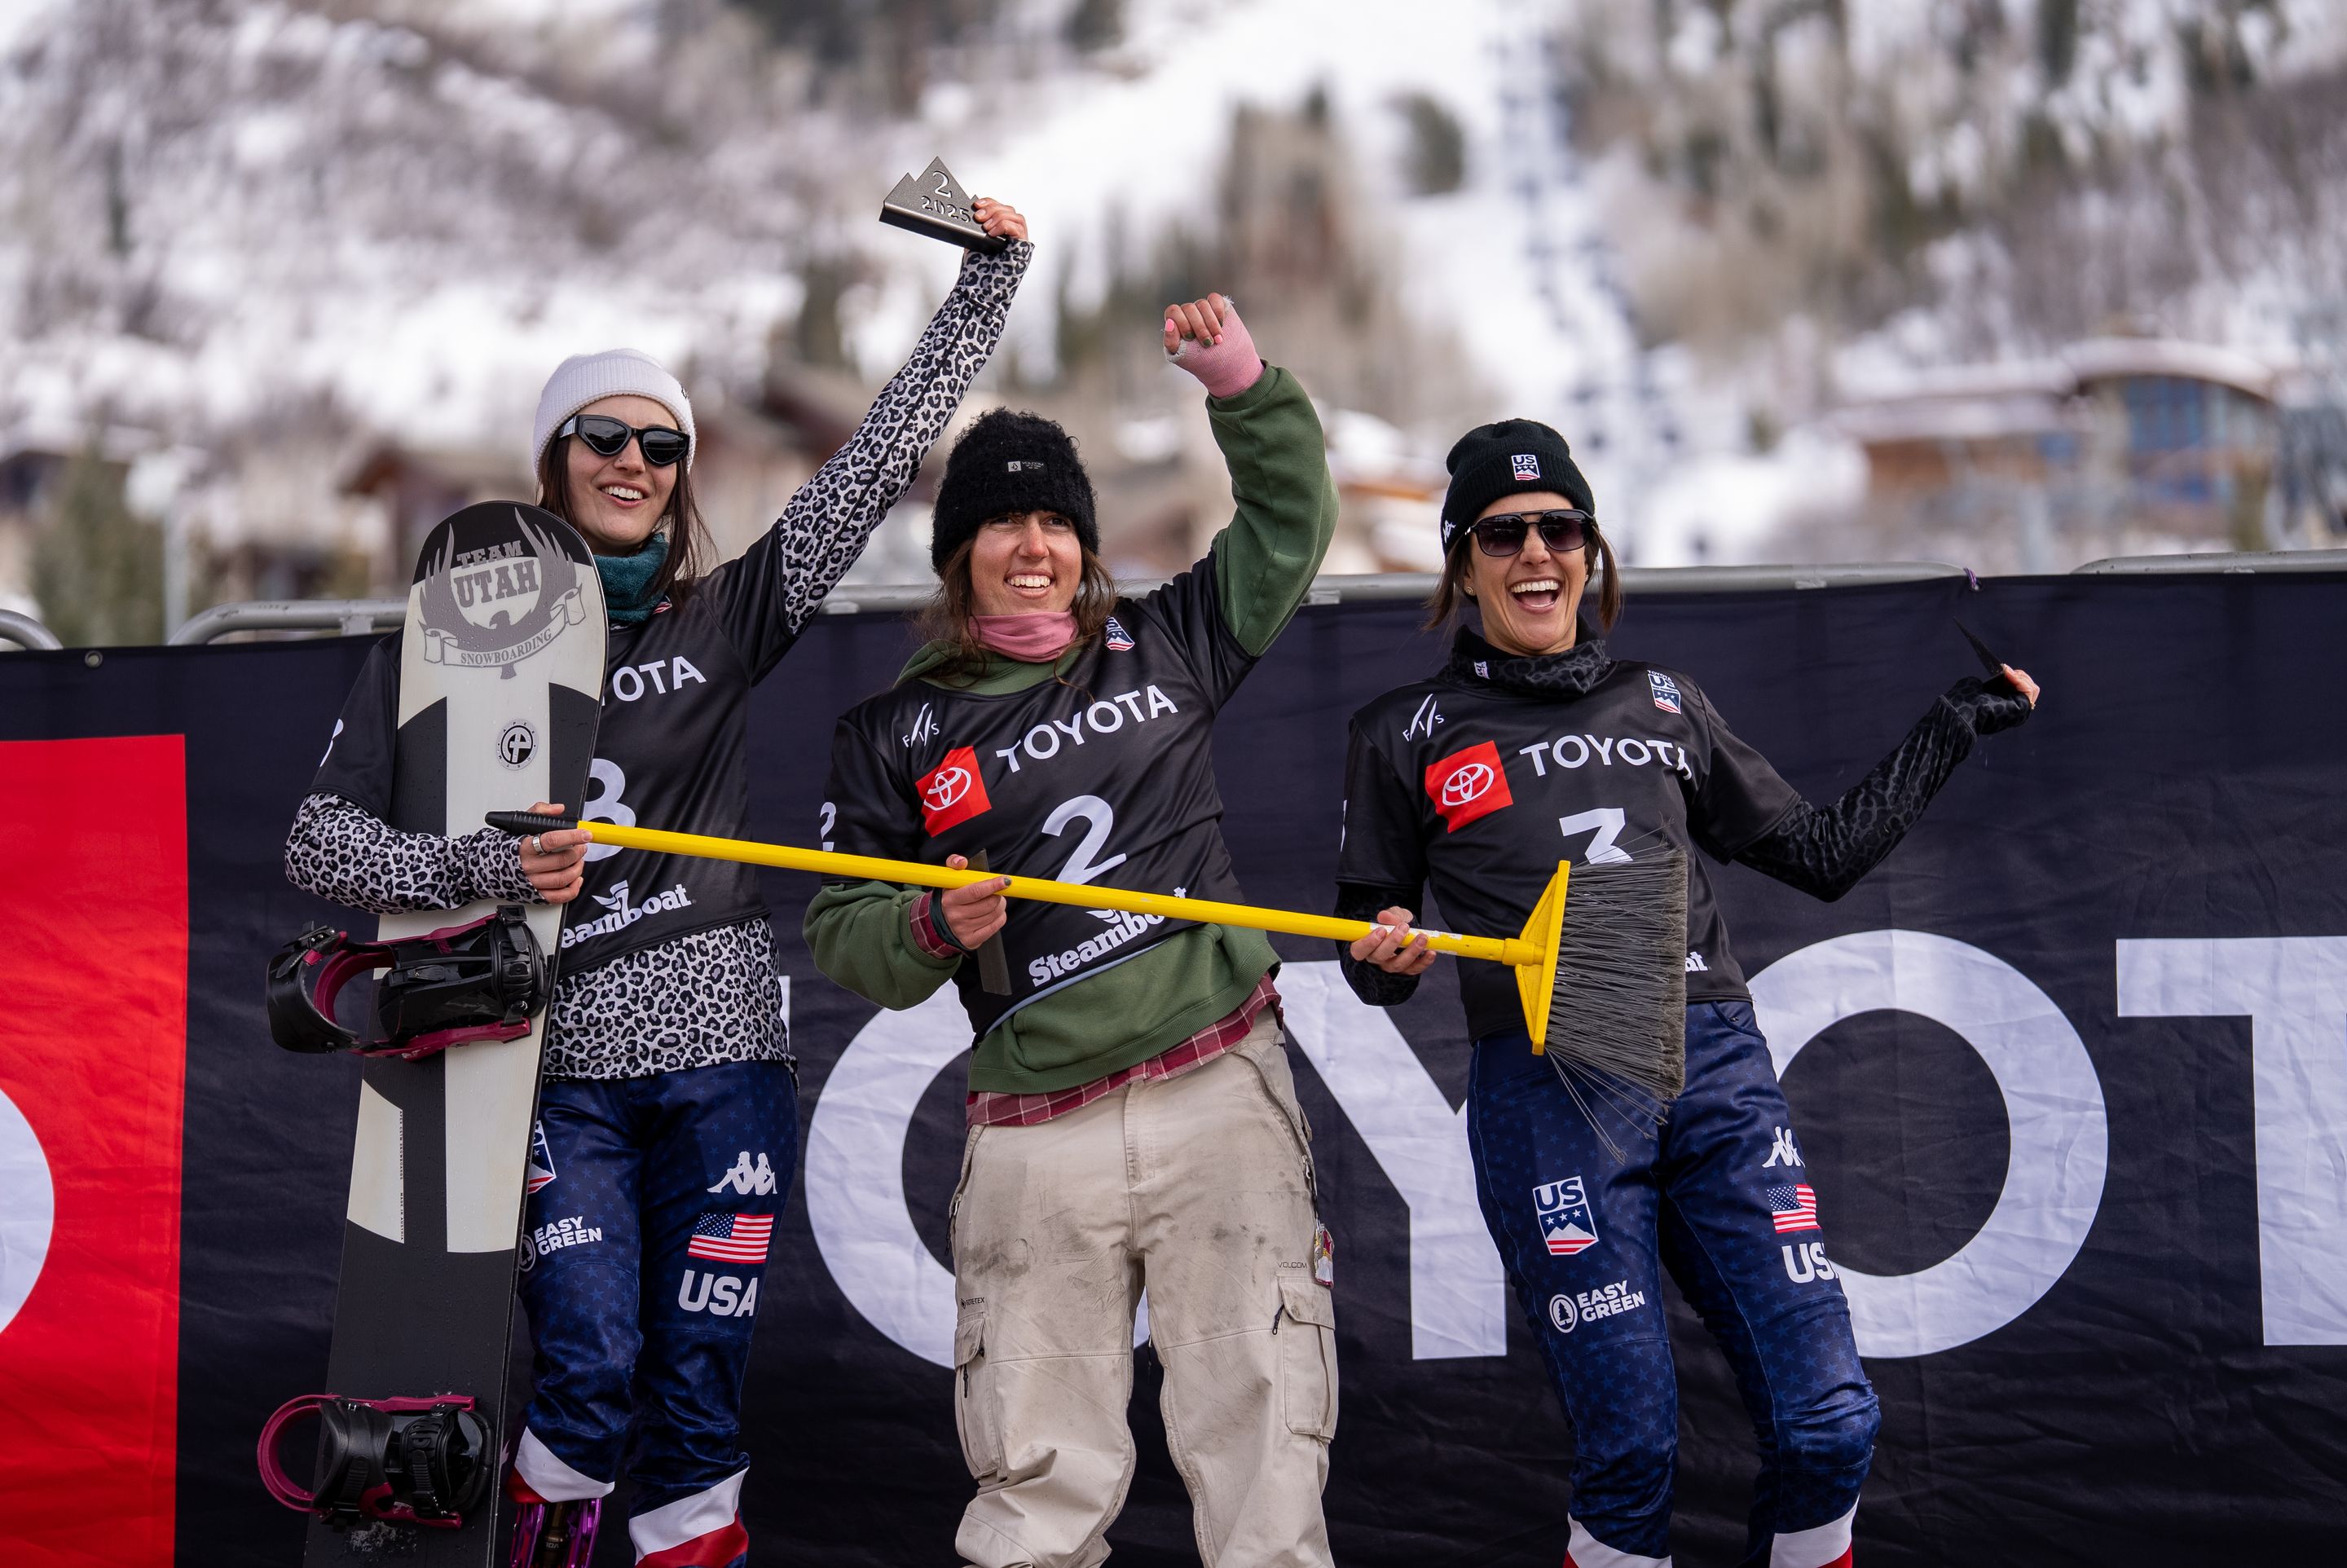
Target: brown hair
{"x": 946, "y": 617}
{"x": 689, "y": 545}
{"x": 1449, "y": 597}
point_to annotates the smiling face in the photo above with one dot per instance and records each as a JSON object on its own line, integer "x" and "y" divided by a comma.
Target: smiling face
{"x": 617, "y": 502}
{"x": 1023, "y": 563}
{"x": 1530, "y": 600}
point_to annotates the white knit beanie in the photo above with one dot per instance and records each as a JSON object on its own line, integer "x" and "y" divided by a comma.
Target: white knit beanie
{"x": 586, "y": 378}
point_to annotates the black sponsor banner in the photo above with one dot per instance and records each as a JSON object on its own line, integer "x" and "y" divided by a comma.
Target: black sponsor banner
{"x": 2070, "y": 1075}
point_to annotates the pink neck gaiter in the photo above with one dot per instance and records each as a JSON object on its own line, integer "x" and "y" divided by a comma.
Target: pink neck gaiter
{"x": 1035, "y": 637}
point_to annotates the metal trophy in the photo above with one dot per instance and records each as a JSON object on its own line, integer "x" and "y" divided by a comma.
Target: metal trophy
{"x": 936, "y": 205}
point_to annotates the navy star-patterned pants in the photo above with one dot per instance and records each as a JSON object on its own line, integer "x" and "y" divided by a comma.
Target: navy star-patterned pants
{"x": 1721, "y": 1199}
{"x": 649, "y": 1224}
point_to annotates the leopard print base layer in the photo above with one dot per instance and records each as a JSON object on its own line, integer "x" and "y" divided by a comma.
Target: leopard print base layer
{"x": 696, "y": 1001}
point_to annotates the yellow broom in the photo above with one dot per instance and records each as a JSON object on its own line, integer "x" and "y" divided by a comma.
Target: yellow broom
{"x": 1618, "y": 964}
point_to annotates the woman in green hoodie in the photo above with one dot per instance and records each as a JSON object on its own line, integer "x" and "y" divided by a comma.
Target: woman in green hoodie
{"x": 1132, "y": 1122}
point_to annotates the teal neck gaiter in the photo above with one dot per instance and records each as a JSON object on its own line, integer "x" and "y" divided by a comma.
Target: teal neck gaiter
{"x": 628, "y": 581}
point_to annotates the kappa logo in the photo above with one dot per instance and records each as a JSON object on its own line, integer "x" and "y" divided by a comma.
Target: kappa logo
{"x": 1567, "y": 1227}
{"x": 518, "y": 745}
{"x": 1423, "y": 722}
{"x": 925, "y": 727}
{"x": 1782, "y": 1151}
{"x": 1119, "y": 640}
{"x": 1468, "y": 785}
{"x": 1569, "y": 1311}
{"x": 542, "y": 1158}
{"x": 952, "y": 792}
{"x": 750, "y": 1180}
{"x": 1526, "y": 464}
{"x": 1667, "y": 691}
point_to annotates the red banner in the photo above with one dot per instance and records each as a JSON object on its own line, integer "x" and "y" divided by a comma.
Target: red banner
{"x": 93, "y": 1051}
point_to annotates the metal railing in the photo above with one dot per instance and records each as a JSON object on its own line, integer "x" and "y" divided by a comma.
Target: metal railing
{"x": 357, "y": 616}
{"x": 27, "y": 632}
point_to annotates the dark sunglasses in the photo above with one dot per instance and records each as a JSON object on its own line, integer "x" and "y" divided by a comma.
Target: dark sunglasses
{"x": 607, "y": 438}
{"x": 1562, "y": 531}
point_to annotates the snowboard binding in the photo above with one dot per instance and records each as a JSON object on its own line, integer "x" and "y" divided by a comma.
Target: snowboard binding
{"x": 481, "y": 980}
{"x": 412, "y": 1461}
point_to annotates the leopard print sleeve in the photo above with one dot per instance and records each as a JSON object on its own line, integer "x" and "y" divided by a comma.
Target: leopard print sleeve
{"x": 348, "y": 855}
{"x": 1825, "y": 852}
{"x": 775, "y": 590}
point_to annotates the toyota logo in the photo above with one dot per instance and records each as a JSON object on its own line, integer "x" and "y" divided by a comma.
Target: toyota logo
{"x": 947, "y": 786}
{"x": 1469, "y": 782}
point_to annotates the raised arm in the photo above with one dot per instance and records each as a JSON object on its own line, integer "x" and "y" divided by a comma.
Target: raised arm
{"x": 1825, "y": 852}
{"x": 772, "y": 592}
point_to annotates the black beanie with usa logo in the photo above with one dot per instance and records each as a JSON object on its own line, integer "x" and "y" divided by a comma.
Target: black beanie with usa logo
{"x": 1511, "y": 456}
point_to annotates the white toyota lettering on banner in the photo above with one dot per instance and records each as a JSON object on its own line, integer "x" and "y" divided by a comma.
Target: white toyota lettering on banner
{"x": 2053, "y": 1104}
{"x": 2293, "y": 991}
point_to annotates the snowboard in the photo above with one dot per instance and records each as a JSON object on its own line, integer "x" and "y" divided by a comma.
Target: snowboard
{"x": 500, "y": 681}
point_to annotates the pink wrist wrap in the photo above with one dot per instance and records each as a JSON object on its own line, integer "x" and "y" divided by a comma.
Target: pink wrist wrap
{"x": 1227, "y": 368}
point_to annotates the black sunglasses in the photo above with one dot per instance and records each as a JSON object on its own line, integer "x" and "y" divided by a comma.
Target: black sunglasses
{"x": 1562, "y": 531}
{"x": 607, "y": 438}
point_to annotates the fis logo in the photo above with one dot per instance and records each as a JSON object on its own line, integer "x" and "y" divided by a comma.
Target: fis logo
{"x": 1526, "y": 464}
{"x": 1783, "y": 1150}
{"x": 1569, "y": 1311}
{"x": 750, "y": 1180}
{"x": 952, "y": 793}
{"x": 1566, "y": 1224}
{"x": 1118, "y": 639}
{"x": 925, "y": 727}
{"x": 1806, "y": 1261}
{"x": 1468, "y": 785}
{"x": 720, "y": 1295}
{"x": 1422, "y": 722}
{"x": 1667, "y": 691}
{"x": 541, "y": 1160}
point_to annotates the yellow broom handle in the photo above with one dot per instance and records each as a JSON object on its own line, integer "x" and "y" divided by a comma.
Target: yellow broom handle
{"x": 1206, "y": 911}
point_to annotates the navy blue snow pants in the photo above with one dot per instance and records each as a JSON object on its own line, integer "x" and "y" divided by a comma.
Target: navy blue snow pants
{"x": 1719, "y": 1197}
{"x": 652, "y": 1209}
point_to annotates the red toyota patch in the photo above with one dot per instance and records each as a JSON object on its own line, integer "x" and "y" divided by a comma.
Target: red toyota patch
{"x": 1467, "y": 785}
{"x": 952, "y": 793}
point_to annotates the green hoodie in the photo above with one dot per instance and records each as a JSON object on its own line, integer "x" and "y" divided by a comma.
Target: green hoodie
{"x": 1264, "y": 563}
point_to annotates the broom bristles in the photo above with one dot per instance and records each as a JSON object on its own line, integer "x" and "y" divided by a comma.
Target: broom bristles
{"x": 1617, "y": 1017}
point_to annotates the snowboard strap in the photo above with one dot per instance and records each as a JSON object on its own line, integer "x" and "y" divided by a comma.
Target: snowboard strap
{"x": 412, "y": 1460}
{"x": 482, "y": 980}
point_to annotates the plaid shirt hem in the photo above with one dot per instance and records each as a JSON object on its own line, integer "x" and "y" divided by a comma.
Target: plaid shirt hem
{"x": 1002, "y": 1108}
{"x": 927, "y": 936}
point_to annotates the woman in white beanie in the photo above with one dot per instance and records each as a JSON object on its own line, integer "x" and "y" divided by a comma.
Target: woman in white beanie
{"x": 667, "y": 1125}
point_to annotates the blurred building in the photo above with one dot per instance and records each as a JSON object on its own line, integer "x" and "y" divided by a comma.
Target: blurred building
{"x": 2113, "y": 445}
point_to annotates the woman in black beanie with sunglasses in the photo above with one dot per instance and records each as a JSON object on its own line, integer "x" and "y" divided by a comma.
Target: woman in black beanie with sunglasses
{"x": 668, "y": 1129}
{"x": 1534, "y": 744}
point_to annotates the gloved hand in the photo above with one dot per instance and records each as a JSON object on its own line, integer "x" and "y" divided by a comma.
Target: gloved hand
{"x": 1989, "y": 707}
{"x": 1206, "y": 338}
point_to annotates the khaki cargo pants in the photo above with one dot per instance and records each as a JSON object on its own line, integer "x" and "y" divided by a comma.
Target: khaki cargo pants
{"x": 1199, "y": 1188}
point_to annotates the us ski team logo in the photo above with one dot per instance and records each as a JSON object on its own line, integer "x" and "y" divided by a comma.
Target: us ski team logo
{"x": 493, "y": 607}
{"x": 1526, "y": 464}
{"x": 542, "y": 1158}
{"x": 1118, "y": 639}
{"x": 1566, "y": 1222}
{"x": 1667, "y": 691}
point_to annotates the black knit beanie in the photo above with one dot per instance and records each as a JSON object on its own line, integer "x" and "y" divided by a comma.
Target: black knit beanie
{"x": 1494, "y": 460}
{"x": 1010, "y": 462}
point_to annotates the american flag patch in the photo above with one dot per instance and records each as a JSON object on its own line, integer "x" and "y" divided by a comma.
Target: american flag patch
{"x": 732, "y": 1238}
{"x": 1794, "y": 1207}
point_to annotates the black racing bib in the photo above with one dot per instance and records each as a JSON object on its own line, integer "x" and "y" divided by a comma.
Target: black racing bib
{"x": 1103, "y": 775}
{"x": 1482, "y": 790}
